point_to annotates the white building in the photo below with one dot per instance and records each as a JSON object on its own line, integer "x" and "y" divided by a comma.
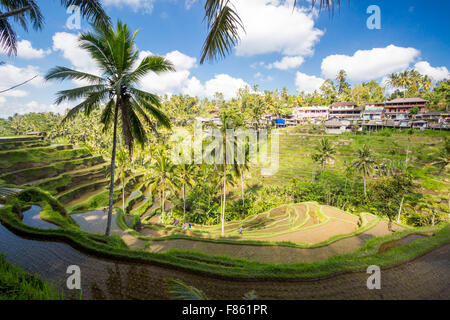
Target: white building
{"x": 310, "y": 114}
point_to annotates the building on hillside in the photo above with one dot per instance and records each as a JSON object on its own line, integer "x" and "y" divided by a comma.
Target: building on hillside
{"x": 310, "y": 114}
{"x": 434, "y": 117}
{"x": 419, "y": 124}
{"x": 336, "y": 125}
{"x": 400, "y": 109}
{"x": 373, "y": 112}
{"x": 345, "y": 110}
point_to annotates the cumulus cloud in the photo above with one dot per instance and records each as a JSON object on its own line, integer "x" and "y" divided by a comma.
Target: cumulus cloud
{"x": 287, "y": 63}
{"x": 260, "y": 77}
{"x": 25, "y": 50}
{"x": 274, "y": 26}
{"x": 308, "y": 83}
{"x": 365, "y": 65}
{"x": 181, "y": 80}
{"x": 9, "y": 107}
{"x": 69, "y": 46}
{"x": 436, "y": 73}
{"x": 144, "y": 6}
{"x": 189, "y": 3}
{"x": 12, "y": 75}
{"x": 224, "y": 84}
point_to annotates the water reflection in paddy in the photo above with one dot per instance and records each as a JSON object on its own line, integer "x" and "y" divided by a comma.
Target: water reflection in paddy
{"x": 32, "y": 218}
{"x": 100, "y": 278}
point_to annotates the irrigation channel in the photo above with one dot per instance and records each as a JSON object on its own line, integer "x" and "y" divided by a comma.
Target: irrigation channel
{"x": 427, "y": 277}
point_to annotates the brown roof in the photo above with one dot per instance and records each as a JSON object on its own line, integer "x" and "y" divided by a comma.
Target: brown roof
{"x": 343, "y": 104}
{"x": 407, "y": 100}
{"x": 333, "y": 123}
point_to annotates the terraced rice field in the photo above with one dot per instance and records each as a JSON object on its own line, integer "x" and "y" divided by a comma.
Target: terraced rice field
{"x": 308, "y": 222}
{"x": 75, "y": 177}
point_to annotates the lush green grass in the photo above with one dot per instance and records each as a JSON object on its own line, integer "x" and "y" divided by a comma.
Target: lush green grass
{"x": 101, "y": 200}
{"x": 49, "y": 171}
{"x": 16, "y": 284}
{"x": 8, "y": 159}
{"x": 296, "y": 155}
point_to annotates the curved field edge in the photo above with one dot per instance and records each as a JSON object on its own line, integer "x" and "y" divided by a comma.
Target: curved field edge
{"x": 234, "y": 268}
{"x": 366, "y": 225}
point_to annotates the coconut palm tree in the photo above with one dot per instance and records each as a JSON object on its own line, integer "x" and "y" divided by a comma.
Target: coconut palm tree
{"x": 185, "y": 174}
{"x": 123, "y": 164}
{"x": 115, "y": 90}
{"x": 163, "y": 176}
{"x": 27, "y": 12}
{"x": 324, "y": 152}
{"x": 442, "y": 159}
{"x": 229, "y": 168}
{"x": 364, "y": 163}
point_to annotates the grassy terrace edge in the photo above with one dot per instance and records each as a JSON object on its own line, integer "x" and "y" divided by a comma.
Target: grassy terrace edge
{"x": 234, "y": 268}
{"x": 180, "y": 236}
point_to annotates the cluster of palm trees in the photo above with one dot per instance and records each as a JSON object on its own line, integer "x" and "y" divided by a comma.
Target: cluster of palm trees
{"x": 364, "y": 162}
{"x": 178, "y": 178}
{"x": 410, "y": 80}
{"x": 116, "y": 91}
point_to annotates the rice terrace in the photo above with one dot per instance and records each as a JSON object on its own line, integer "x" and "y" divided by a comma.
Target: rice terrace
{"x": 92, "y": 186}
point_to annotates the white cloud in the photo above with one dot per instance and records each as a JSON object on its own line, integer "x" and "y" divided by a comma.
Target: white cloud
{"x": 169, "y": 82}
{"x": 182, "y": 81}
{"x": 225, "y": 84}
{"x": 144, "y": 6}
{"x": 274, "y": 26}
{"x": 370, "y": 64}
{"x": 25, "y": 50}
{"x": 12, "y": 75}
{"x": 308, "y": 83}
{"x": 189, "y": 3}
{"x": 15, "y": 93}
{"x": 437, "y": 73}
{"x": 287, "y": 63}
{"x": 260, "y": 77}
{"x": 69, "y": 45}
{"x": 10, "y": 107}
{"x": 164, "y": 83}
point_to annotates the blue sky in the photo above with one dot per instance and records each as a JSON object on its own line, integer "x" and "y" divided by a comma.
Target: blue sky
{"x": 281, "y": 47}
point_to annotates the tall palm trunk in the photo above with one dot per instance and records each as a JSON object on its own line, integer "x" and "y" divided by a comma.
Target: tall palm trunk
{"x": 163, "y": 204}
{"x": 113, "y": 170}
{"x": 242, "y": 188}
{"x": 222, "y": 218}
{"x": 184, "y": 202}
{"x": 123, "y": 191}
{"x": 365, "y": 188}
{"x": 400, "y": 209}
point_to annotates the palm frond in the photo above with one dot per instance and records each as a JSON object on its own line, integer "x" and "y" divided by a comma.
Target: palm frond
{"x": 224, "y": 25}
{"x": 92, "y": 101}
{"x": 78, "y": 93}
{"x": 63, "y": 73}
{"x": 92, "y": 10}
{"x": 181, "y": 291}
{"x": 154, "y": 64}
{"x": 8, "y": 37}
{"x": 108, "y": 114}
{"x": 154, "y": 111}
